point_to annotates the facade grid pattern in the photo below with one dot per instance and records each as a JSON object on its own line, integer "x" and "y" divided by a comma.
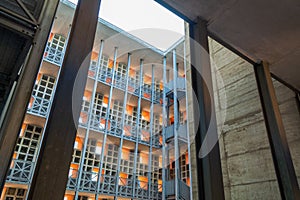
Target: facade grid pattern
{"x": 134, "y": 134}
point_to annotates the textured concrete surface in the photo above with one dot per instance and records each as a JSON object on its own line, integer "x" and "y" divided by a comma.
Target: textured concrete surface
{"x": 247, "y": 163}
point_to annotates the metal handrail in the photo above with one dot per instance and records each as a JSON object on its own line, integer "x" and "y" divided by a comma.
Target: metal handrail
{"x": 184, "y": 190}
{"x": 141, "y": 189}
{"x": 182, "y": 132}
{"x": 39, "y": 106}
{"x": 72, "y": 180}
{"x": 88, "y": 181}
{"x": 54, "y": 55}
{"x": 20, "y": 172}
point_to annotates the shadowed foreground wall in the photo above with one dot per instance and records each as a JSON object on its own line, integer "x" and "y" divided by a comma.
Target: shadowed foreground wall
{"x": 247, "y": 164}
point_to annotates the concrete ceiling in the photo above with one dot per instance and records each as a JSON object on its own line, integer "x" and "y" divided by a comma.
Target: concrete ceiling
{"x": 260, "y": 29}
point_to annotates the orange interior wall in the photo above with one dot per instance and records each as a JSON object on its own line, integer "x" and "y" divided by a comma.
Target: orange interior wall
{"x": 129, "y": 109}
{"x": 102, "y": 121}
{"x": 143, "y": 179}
{"x": 144, "y": 158}
{"x": 74, "y": 169}
{"x": 161, "y": 139}
{"x": 80, "y": 142}
{"x": 3, "y": 192}
{"x": 105, "y": 99}
{"x": 147, "y": 95}
{"x": 123, "y": 175}
{"x": 110, "y": 63}
{"x": 99, "y": 144}
{"x": 23, "y": 129}
{"x": 147, "y": 79}
{"x": 30, "y": 102}
{"x": 38, "y": 77}
{"x": 51, "y": 36}
{"x": 188, "y": 181}
{"x": 87, "y": 95}
{"x": 74, "y": 166}
{"x": 187, "y": 158}
{"x": 172, "y": 119}
{"x": 95, "y": 169}
{"x": 160, "y": 183}
{"x": 94, "y": 56}
{"x": 146, "y": 115}
{"x": 125, "y": 154}
{"x": 69, "y": 196}
{"x": 131, "y": 72}
{"x": 123, "y": 178}
{"x": 143, "y": 182}
{"x": 161, "y": 86}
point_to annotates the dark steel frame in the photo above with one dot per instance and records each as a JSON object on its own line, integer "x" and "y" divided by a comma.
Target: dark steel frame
{"x": 210, "y": 179}
{"x": 285, "y": 171}
{"x": 51, "y": 173}
{"x": 24, "y": 83}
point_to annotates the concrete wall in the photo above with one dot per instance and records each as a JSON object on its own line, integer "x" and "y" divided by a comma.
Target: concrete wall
{"x": 247, "y": 164}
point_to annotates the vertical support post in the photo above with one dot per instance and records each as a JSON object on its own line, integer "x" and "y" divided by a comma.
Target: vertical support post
{"x": 285, "y": 171}
{"x": 14, "y": 117}
{"x": 168, "y": 147}
{"x": 122, "y": 125}
{"x": 176, "y": 126}
{"x": 151, "y": 132}
{"x": 138, "y": 129}
{"x": 187, "y": 119}
{"x": 164, "y": 125}
{"x": 60, "y": 134}
{"x": 209, "y": 167}
{"x": 167, "y": 100}
{"x": 91, "y": 113}
{"x": 106, "y": 125}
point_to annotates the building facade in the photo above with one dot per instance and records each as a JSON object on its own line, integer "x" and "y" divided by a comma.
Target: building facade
{"x": 135, "y": 132}
{"x": 132, "y": 137}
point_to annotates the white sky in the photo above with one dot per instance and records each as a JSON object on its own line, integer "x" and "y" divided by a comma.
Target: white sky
{"x": 145, "y": 19}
